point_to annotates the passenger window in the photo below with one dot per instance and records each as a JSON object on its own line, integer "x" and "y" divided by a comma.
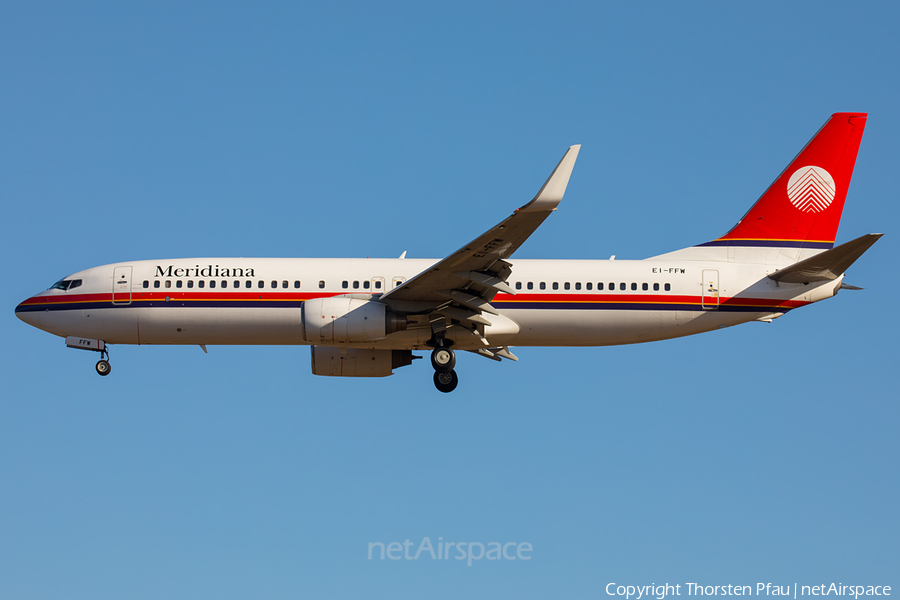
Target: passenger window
{"x": 634, "y": 287}
{"x": 378, "y": 285}
{"x": 612, "y": 287}
{"x": 555, "y": 286}
{"x": 577, "y": 285}
{"x": 146, "y": 284}
{"x": 190, "y": 283}
{"x": 530, "y": 285}
{"x": 179, "y": 283}
{"x": 201, "y": 283}
{"x": 645, "y": 287}
{"x": 355, "y": 285}
{"x": 248, "y": 284}
{"x": 296, "y": 285}
{"x": 668, "y": 287}
{"x": 212, "y": 284}
{"x": 156, "y": 283}
{"x": 588, "y": 286}
{"x": 543, "y": 286}
{"x": 567, "y": 285}
{"x": 366, "y": 284}
{"x": 261, "y": 284}
{"x": 321, "y": 285}
{"x": 284, "y": 284}
{"x": 274, "y": 285}
{"x": 237, "y": 284}
{"x": 621, "y": 286}
{"x": 655, "y": 287}
{"x": 518, "y": 285}
{"x": 600, "y": 287}
{"x": 345, "y": 284}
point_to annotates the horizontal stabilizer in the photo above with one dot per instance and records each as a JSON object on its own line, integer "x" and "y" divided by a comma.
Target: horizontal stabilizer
{"x": 828, "y": 265}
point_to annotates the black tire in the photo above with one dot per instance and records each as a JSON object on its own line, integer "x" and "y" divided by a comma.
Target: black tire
{"x": 103, "y": 368}
{"x": 445, "y": 381}
{"x": 443, "y": 359}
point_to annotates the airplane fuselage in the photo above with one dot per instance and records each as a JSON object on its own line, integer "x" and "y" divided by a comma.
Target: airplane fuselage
{"x": 212, "y": 301}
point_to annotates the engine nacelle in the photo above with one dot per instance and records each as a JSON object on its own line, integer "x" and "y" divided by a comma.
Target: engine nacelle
{"x": 340, "y": 320}
{"x": 354, "y": 362}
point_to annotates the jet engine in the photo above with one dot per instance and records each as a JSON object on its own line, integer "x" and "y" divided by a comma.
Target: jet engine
{"x": 355, "y": 362}
{"x": 340, "y": 320}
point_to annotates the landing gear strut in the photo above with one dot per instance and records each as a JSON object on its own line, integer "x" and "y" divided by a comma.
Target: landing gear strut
{"x": 443, "y": 359}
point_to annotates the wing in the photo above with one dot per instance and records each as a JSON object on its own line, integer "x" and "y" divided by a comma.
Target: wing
{"x": 471, "y": 276}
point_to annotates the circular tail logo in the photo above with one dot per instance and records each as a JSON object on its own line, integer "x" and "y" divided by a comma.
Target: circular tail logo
{"x": 811, "y": 189}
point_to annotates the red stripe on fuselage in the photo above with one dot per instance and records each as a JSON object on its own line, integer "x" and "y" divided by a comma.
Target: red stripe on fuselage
{"x": 222, "y": 296}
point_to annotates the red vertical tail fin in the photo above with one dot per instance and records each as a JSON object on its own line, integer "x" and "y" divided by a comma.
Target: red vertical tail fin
{"x": 802, "y": 208}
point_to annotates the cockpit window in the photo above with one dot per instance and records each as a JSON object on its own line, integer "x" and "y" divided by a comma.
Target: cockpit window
{"x": 66, "y": 284}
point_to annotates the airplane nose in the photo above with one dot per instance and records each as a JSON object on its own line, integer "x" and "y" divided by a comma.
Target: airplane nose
{"x": 29, "y": 313}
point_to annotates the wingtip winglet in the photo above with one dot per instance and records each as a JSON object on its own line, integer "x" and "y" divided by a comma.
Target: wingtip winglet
{"x": 553, "y": 190}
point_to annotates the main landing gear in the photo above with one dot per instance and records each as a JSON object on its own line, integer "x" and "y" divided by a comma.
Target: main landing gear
{"x": 445, "y": 381}
{"x": 443, "y": 359}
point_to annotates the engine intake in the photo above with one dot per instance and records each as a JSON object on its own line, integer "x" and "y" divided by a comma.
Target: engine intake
{"x": 334, "y": 321}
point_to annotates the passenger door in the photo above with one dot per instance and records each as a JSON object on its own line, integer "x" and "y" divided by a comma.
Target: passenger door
{"x": 121, "y": 292}
{"x": 710, "y": 289}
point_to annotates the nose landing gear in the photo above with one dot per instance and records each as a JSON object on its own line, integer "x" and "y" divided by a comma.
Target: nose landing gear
{"x": 103, "y": 367}
{"x": 100, "y": 346}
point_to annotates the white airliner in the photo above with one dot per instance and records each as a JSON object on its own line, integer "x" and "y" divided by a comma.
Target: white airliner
{"x": 365, "y": 317}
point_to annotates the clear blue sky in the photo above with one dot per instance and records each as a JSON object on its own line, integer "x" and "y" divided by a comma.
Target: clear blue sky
{"x": 763, "y": 453}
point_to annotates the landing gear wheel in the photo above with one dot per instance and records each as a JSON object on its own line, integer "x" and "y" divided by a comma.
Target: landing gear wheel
{"x": 445, "y": 381}
{"x": 443, "y": 360}
{"x": 103, "y": 368}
